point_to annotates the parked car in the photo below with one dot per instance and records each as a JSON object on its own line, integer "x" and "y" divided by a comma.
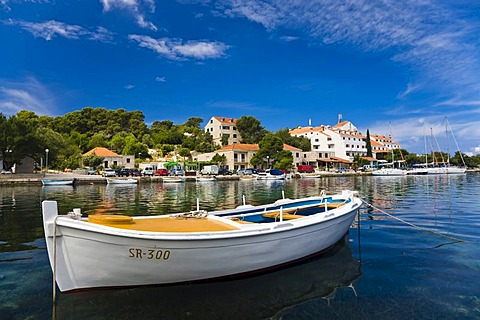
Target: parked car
{"x": 341, "y": 170}
{"x": 148, "y": 171}
{"x": 176, "y": 172}
{"x": 305, "y": 169}
{"x": 108, "y": 172}
{"x": 92, "y": 171}
{"x": 224, "y": 172}
{"x": 161, "y": 172}
{"x": 248, "y": 171}
{"x": 241, "y": 172}
{"x": 135, "y": 172}
{"x": 124, "y": 172}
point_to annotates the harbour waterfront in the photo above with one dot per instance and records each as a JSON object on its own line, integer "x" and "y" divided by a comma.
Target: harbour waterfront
{"x": 384, "y": 269}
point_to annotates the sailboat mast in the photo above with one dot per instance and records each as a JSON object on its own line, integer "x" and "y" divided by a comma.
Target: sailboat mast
{"x": 456, "y": 143}
{"x": 446, "y": 140}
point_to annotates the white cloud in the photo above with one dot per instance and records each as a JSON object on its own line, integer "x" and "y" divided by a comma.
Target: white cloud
{"x": 439, "y": 43}
{"x": 410, "y": 88}
{"x": 129, "y": 86}
{"x": 135, "y": 8}
{"x": 28, "y": 94}
{"x": 177, "y": 49}
{"x": 160, "y": 79}
{"x": 51, "y": 29}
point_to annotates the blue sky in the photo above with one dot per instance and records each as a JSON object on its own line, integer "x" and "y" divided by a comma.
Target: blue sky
{"x": 388, "y": 66}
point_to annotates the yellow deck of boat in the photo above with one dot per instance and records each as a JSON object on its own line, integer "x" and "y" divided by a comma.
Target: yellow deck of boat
{"x": 168, "y": 224}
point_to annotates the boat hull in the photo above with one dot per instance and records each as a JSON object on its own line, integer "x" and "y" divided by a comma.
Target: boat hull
{"x": 389, "y": 172}
{"x": 446, "y": 170}
{"x": 96, "y": 256}
{"x": 122, "y": 181}
{"x": 53, "y": 182}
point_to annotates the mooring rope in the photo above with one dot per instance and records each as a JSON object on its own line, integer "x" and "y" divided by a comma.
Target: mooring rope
{"x": 411, "y": 224}
{"x": 192, "y": 215}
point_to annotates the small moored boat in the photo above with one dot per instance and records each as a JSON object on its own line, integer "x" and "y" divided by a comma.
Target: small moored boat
{"x": 119, "y": 250}
{"x": 173, "y": 179}
{"x": 58, "y": 182}
{"x": 205, "y": 179}
{"x": 122, "y": 181}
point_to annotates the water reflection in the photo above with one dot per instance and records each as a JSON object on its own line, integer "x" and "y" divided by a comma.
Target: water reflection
{"x": 263, "y": 296}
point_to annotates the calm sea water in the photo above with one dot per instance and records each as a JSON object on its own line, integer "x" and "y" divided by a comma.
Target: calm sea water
{"x": 384, "y": 269}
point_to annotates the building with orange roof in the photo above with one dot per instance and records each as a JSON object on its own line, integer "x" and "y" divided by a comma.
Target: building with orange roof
{"x": 219, "y": 127}
{"x": 239, "y": 155}
{"x": 112, "y": 159}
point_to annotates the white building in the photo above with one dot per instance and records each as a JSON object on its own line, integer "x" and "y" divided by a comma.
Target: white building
{"x": 337, "y": 146}
{"x": 221, "y": 126}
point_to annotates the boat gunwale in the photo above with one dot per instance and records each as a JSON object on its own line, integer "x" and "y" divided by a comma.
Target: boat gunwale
{"x": 244, "y": 230}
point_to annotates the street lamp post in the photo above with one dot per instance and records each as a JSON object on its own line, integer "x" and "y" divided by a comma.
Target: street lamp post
{"x": 46, "y": 160}
{"x": 268, "y": 162}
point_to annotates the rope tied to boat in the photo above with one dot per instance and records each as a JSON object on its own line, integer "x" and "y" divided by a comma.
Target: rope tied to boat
{"x": 411, "y": 224}
{"x": 201, "y": 214}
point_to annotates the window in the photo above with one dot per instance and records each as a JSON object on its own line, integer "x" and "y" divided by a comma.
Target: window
{"x": 234, "y": 135}
{"x": 226, "y": 128}
{"x": 128, "y": 160}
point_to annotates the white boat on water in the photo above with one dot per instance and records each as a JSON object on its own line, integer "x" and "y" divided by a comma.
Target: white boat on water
{"x": 173, "y": 179}
{"x": 205, "y": 179}
{"x": 122, "y": 181}
{"x": 58, "y": 182}
{"x": 389, "y": 172}
{"x": 119, "y": 251}
{"x": 270, "y": 174}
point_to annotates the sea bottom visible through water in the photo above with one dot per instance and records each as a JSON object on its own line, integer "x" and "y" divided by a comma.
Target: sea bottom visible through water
{"x": 383, "y": 269}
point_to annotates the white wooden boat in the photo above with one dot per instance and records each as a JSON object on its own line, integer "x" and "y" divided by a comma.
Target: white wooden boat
{"x": 118, "y": 251}
{"x": 205, "y": 179}
{"x": 122, "y": 181}
{"x": 58, "y": 182}
{"x": 173, "y": 179}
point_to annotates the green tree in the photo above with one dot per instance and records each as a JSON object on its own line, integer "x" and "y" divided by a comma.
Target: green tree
{"x": 298, "y": 142}
{"x": 93, "y": 161}
{"x": 270, "y": 151}
{"x": 250, "y": 129}
{"x": 368, "y": 144}
{"x": 220, "y": 160}
{"x": 185, "y": 153}
{"x": 224, "y": 139}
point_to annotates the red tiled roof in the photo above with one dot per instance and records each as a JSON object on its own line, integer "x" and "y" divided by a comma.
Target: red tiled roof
{"x": 224, "y": 120}
{"x": 253, "y": 147}
{"x": 101, "y": 152}
{"x": 240, "y": 146}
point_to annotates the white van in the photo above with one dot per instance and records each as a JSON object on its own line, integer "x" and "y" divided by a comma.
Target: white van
{"x": 148, "y": 171}
{"x": 210, "y": 170}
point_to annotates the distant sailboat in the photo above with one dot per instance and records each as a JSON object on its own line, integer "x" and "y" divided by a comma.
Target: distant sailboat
{"x": 444, "y": 167}
{"x": 389, "y": 169}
